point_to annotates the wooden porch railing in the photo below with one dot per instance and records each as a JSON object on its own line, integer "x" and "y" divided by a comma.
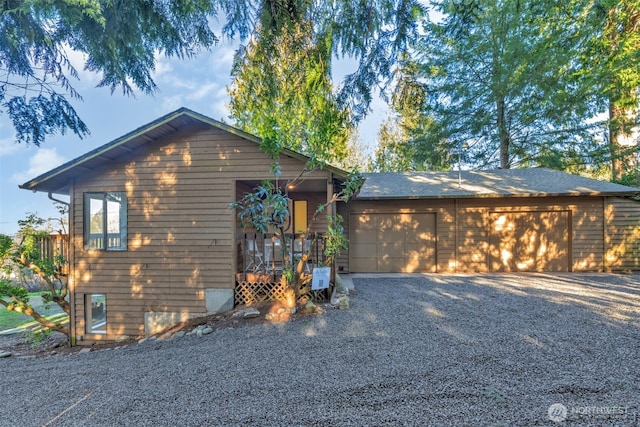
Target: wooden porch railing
{"x": 259, "y": 278}
{"x": 52, "y": 246}
{"x": 264, "y": 253}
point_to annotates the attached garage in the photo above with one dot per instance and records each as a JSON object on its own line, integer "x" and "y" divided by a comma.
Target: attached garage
{"x": 393, "y": 242}
{"x": 510, "y": 220}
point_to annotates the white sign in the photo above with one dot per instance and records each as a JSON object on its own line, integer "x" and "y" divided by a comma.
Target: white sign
{"x": 320, "y": 279}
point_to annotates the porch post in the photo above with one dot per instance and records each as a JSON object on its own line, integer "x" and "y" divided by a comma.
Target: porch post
{"x": 71, "y": 258}
{"x": 331, "y": 212}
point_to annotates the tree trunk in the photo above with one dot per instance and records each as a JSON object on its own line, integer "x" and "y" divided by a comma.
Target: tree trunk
{"x": 503, "y": 133}
{"x": 622, "y": 139}
{"x": 623, "y": 20}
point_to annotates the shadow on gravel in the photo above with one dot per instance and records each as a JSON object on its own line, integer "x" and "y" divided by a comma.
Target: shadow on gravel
{"x": 489, "y": 350}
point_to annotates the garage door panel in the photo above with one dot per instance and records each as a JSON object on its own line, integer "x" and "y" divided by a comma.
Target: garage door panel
{"x": 423, "y": 251}
{"x": 421, "y": 238}
{"x": 364, "y": 237}
{"x": 392, "y": 234}
{"x": 386, "y": 222}
{"x": 392, "y": 264}
{"x": 529, "y": 241}
{"x": 420, "y": 259}
{"x": 364, "y": 250}
{"x": 391, "y": 249}
{"x": 404, "y": 242}
{"x": 368, "y": 264}
{"x": 421, "y": 228}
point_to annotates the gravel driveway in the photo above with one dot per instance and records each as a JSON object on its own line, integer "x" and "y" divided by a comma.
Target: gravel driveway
{"x": 415, "y": 350}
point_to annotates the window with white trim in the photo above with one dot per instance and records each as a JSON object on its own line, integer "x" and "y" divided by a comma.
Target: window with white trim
{"x": 105, "y": 221}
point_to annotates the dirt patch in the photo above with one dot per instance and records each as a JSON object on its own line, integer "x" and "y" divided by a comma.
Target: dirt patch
{"x": 29, "y": 344}
{"x": 26, "y": 345}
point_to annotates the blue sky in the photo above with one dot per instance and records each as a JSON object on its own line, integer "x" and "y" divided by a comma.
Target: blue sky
{"x": 199, "y": 84}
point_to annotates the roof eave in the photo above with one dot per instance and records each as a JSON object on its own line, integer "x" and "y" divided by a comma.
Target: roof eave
{"x": 36, "y": 183}
{"x": 497, "y": 195}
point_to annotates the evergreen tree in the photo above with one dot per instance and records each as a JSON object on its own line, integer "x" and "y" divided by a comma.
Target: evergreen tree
{"x": 282, "y": 92}
{"x": 609, "y": 56}
{"x": 411, "y": 139}
{"x": 497, "y": 78}
{"x": 120, "y": 40}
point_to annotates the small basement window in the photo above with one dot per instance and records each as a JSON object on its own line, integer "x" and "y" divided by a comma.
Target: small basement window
{"x": 105, "y": 221}
{"x": 96, "y": 313}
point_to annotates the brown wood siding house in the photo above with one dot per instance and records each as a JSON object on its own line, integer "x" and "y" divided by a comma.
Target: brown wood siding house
{"x": 528, "y": 220}
{"x": 153, "y": 240}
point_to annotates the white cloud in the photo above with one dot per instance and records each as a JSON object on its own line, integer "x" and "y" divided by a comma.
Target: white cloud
{"x": 170, "y": 103}
{"x": 204, "y": 90}
{"x": 8, "y": 146}
{"x": 220, "y": 104}
{"x": 43, "y": 160}
{"x": 88, "y": 79}
{"x": 221, "y": 58}
{"x": 163, "y": 66}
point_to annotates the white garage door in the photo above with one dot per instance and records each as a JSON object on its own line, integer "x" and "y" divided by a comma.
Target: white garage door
{"x": 392, "y": 242}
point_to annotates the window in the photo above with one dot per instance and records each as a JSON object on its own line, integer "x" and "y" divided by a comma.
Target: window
{"x": 96, "y": 313}
{"x": 299, "y": 216}
{"x": 105, "y": 221}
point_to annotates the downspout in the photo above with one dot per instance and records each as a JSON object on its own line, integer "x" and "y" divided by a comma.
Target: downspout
{"x": 50, "y": 195}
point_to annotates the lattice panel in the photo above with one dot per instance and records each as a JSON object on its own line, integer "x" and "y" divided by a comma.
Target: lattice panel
{"x": 247, "y": 293}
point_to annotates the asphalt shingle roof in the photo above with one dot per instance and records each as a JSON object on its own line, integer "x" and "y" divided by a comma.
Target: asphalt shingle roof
{"x": 534, "y": 182}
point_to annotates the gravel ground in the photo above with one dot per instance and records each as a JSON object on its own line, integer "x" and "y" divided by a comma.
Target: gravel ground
{"x": 416, "y": 350}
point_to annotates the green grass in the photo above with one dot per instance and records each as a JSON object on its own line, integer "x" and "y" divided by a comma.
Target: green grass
{"x": 12, "y": 319}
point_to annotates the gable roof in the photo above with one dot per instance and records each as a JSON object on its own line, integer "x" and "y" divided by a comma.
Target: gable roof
{"x": 58, "y": 179}
{"x": 534, "y": 182}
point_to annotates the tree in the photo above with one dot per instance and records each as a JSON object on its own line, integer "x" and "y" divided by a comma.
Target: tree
{"x": 375, "y": 33}
{"x": 282, "y": 92}
{"x": 25, "y": 252}
{"x": 496, "y": 74}
{"x": 610, "y": 54}
{"x": 357, "y": 156}
{"x": 119, "y": 38}
{"x": 122, "y": 38}
{"x": 411, "y": 139}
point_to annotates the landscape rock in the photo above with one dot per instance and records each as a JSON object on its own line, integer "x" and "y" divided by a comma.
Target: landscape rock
{"x": 250, "y": 313}
{"x": 343, "y": 302}
{"x": 341, "y": 288}
{"x": 311, "y": 308}
{"x": 4, "y": 354}
{"x": 179, "y": 334}
{"x": 147, "y": 339}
